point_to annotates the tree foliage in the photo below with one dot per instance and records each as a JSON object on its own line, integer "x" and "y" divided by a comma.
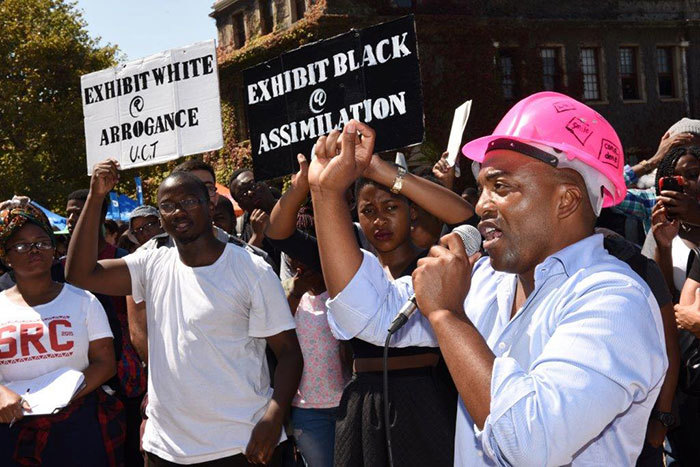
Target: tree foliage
{"x": 44, "y": 49}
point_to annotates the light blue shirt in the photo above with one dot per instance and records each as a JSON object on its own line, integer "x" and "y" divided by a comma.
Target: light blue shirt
{"x": 577, "y": 369}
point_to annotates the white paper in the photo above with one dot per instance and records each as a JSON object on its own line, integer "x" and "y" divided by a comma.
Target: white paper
{"x": 400, "y": 160}
{"x": 50, "y": 392}
{"x": 130, "y": 98}
{"x": 459, "y": 123}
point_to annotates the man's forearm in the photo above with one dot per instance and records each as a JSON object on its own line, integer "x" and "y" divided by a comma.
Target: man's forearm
{"x": 82, "y": 249}
{"x": 668, "y": 389}
{"x": 340, "y": 255}
{"x": 136, "y": 317}
{"x": 662, "y": 256}
{"x": 469, "y": 360}
{"x": 284, "y": 215}
{"x": 287, "y": 377}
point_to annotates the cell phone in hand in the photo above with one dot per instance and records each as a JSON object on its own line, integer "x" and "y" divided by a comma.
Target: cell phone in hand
{"x": 672, "y": 183}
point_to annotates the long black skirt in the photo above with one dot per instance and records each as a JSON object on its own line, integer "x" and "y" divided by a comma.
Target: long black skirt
{"x": 422, "y": 408}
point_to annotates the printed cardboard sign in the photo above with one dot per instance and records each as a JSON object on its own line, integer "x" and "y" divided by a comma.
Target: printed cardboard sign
{"x": 371, "y": 75}
{"x": 154, "y": 109}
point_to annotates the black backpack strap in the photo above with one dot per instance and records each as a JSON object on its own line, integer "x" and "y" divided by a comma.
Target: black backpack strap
{"x": 692, "y": 256}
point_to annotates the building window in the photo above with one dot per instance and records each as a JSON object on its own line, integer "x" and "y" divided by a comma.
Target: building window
{"x": 298, "y": 8}
{"x": 239, "y": 27}
{"x": 551, "y": 68}
{"x": 665, "y": 66}
{"x": 225, "y": 32}
{"x": 590, "y": 66}
{"x": 506, "y": 67}
{"x": 629, "y": 73}
{"x": 404, "y": 3}
{"x": 266, "y": 19}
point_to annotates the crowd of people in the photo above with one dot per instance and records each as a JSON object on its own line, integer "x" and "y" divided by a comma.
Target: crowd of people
{"x": 570, "y": 337}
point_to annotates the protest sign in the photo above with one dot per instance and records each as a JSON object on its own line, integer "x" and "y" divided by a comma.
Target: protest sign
{"x": 154, "y": 109}
{"x": 371, "y": 75}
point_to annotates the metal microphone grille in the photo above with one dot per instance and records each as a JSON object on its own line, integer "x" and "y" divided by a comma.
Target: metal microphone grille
{"x": 470, "y": 237}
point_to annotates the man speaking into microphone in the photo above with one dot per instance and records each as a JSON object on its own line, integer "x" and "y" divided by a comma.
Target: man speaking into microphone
{"x": 556, "y": 347}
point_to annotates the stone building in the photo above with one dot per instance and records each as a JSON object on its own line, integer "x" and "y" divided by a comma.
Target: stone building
{"x": 636, "y": 62}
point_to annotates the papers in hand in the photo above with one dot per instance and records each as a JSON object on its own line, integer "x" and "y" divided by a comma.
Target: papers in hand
{"x": 51, "y": 392}
{"x": 459, "y": 123}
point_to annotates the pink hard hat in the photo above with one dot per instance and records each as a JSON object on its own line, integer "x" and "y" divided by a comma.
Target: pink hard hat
{"x": 568, "y": 126}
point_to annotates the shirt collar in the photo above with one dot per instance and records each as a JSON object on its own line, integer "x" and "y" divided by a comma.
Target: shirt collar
{"x": 572, "y": 258}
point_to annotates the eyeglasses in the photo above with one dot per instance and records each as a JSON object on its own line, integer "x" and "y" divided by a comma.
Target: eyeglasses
{"x": 26, "y": 247}
{"x": 186, "y": 204}
{"x": 151, "y": 225}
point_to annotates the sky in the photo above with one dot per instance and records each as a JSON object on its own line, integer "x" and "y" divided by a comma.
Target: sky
{"x": 144, "y": 27}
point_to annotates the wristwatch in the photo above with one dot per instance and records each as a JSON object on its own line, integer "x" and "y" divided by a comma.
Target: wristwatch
{"x": 398, "y": 181}
{"x": 666, "y": 418}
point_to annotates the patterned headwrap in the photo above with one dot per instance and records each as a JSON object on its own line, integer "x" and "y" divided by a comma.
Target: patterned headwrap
{"x": 14, "y": 214}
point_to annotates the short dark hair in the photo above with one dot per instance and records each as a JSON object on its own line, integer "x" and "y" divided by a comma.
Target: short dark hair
{"x": 188, "y": 178}
{"x": 194, "y": 164}
{"x": 237, "y": 172}
{"x": 82, "y": 195}
{"x": 226, "y": 205}
{"x": 111, "y": 226}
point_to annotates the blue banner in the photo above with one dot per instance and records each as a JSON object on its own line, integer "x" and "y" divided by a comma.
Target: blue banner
{"x": 120, "y": 207}
{"x": 113, "y": 212}
{"x": 56, "y": 220}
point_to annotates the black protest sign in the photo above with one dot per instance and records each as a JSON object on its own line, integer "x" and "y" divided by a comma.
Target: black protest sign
{"x": 371, "y": 75}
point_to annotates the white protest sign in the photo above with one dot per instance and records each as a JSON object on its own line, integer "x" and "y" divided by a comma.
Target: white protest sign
{"x": 459, "y": 123}
{"x": 154, "y": 109}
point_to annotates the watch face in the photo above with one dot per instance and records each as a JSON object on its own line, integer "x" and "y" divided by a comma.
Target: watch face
{"x": 667, "y": 419}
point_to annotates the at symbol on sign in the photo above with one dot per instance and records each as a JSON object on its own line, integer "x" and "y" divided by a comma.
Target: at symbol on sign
{"x": 136, "y": 106}
{"x": 317, "y": 100}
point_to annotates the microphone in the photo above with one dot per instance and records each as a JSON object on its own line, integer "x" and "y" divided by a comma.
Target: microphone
{"x": 472, "y": 243}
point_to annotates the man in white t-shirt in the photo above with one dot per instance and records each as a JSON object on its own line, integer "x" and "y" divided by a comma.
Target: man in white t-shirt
{"x": 212, "y": 307}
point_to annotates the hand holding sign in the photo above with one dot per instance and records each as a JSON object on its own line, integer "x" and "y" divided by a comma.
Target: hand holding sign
{"x": 105, "y": 176}
{"x": 354, "y": 151}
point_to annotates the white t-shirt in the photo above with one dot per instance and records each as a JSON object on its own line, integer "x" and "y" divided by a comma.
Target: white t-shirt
{"x": 40, "y": 339}
{"x": 679, "y": 257}
{"x": 208, "y": 380}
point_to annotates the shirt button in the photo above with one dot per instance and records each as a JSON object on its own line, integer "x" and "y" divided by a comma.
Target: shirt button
{"x": 502, "y": 346}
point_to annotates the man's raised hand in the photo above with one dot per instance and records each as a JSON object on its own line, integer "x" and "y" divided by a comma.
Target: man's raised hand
{"x": 105, "y": 176}
{"x": 341, "y": 158}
